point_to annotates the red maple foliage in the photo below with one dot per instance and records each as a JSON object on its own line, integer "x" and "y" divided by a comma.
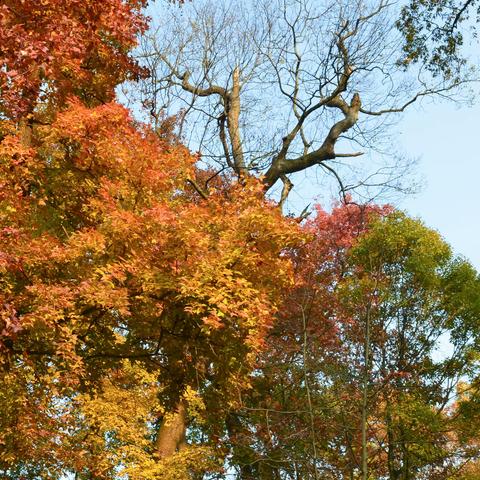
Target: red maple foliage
{"x": 56, "y": 48}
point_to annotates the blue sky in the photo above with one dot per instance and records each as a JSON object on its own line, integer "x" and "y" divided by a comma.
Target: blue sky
{"x": 446, "y": 138}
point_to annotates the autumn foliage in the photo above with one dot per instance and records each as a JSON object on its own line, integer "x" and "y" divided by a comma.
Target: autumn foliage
{"x": 108, "y": 253}
{"x": 355, "y": 348}
{"x": 55, "y": 48}
{"x": 160, "y": 321}
{"x": 120, "y": 282}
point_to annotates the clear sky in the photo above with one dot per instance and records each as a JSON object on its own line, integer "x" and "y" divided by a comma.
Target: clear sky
{"x": 446, "y": 138}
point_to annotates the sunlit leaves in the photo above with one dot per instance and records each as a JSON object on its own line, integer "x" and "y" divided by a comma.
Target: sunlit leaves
{"x": 110, "y": 254}
{"x": 52, "y": 49}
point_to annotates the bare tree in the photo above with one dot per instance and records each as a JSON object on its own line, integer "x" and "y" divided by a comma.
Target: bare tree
{"x": 275, "y": 87}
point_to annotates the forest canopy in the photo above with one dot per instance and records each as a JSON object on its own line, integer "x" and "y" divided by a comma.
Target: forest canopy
{"x": 160, "y": 316}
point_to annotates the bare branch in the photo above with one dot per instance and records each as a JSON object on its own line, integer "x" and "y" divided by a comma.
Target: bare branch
{"x": 325, "y": 152}
{"x": 273, "y": 90}
{"x": 425, "y": 93}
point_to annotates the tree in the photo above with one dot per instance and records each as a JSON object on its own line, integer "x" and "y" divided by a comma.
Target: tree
{"x": 109, "y": 254}
{"x": 352, "y": 385}
{"x": 420, "y": 294}
{"x": 292, "y": 407}
{"x": 280, "y": 87}
{"x": 433, "y": 35}
{"x": 120, "y": 281}
{"x": 143, "y": 299}
{"x": 86, "y": 54}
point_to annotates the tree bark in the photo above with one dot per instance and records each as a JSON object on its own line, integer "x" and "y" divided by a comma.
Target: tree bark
{"x": 171, "y": 436}
{"x": 283, "y": 166}
{"x": 233, "y": 124}
{"x": 25, "y": 130}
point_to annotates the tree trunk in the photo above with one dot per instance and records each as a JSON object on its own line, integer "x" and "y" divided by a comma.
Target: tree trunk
{"x": 366, "y": 375}
{"x": 25, "y": 128}
{"x": 171, "y": 436}
{"x": 233, "y": 124}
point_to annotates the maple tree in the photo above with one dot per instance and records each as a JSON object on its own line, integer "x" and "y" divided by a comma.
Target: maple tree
{"x": 289, "y": 408}
{"x": 108, "y": 253}
{"x": 55, "y": 48}
{"x": 120, "y": 282}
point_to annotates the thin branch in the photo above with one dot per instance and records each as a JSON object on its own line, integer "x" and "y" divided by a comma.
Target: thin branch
{"x": 197, "y": 188}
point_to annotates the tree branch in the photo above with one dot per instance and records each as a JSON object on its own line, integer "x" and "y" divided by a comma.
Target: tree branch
{"x": 197, "y": 188}
{"x": 326, "y": 151}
